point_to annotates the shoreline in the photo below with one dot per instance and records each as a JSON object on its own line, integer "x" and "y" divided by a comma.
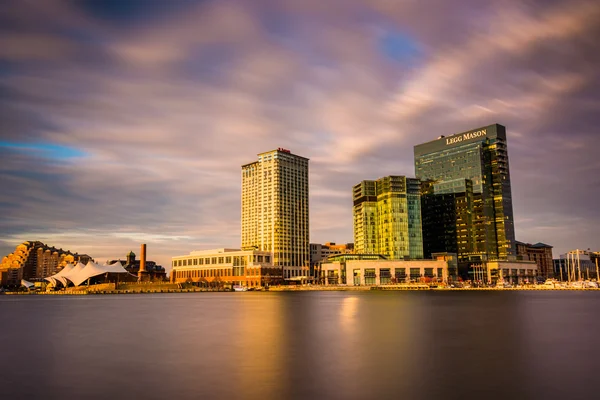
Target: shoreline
{"x": 311, "y": 288}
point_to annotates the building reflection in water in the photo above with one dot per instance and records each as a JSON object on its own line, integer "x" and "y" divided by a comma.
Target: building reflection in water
{"x": 257, "y": 342}
{"x": 348, "y": 313}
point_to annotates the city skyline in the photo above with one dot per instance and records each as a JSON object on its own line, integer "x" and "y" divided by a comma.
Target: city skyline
{"x": 127, "y": 124}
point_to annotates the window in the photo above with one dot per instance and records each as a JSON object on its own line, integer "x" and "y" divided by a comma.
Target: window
{"x": 400, "y": 274}
{"x": 415, "y": 273}
{"x": 370, "y": 276}
{"x": 385, "y": 276}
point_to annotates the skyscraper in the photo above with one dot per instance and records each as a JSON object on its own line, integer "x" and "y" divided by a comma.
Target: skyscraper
{"x": 275, "y": 209}
{"x": 466, "y": 195}
{"x": 387, "y": 217}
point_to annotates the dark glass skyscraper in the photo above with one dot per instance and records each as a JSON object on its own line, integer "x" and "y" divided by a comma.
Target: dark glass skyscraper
{"x": 466, "y": 197}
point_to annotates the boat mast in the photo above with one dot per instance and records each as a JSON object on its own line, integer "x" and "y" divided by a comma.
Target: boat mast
{"x": 568, "y": 267}
{"x": 578, "y": 265}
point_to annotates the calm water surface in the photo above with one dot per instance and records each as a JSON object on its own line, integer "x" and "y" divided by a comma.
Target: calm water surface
{"x": 308, "y": 345}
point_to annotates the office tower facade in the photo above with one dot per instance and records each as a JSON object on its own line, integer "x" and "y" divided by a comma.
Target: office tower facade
{"x": 387, "y": 217}
{"x": 275, "y": 209}
{"x": 466, "y": 195}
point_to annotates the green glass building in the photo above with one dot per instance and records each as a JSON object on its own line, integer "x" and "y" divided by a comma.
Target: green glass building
{"x": 466, "y": 195}
{"x": 387, "y": 218}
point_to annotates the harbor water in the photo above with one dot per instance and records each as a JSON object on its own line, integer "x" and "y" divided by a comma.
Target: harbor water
{"x": 302, "y": 345}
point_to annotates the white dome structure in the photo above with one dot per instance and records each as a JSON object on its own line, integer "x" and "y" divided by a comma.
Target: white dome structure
{"x": 80, "y": 273}
{"x": 72, "y": 273}
{"x": 59, "y": 276}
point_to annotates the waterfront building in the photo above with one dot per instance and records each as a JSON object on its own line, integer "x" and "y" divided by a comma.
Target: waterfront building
{"x": 540, "y": 253}
{"x": 466, "y": 195}
{"x": 387, "y": 217}
{"x": 90, "y": 274}
{"x": 146, "y": 270}
{"x": 251, "y": 268}
{"x": 514, "y": 272}
{"x": 452, "y": 260}
{"x": 275, "y": 216}
{"x": 357, "y": 270}
{"x": 34, "y": 260}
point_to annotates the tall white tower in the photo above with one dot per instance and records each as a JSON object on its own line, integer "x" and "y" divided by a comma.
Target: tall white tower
{"x": 275, "y": 209}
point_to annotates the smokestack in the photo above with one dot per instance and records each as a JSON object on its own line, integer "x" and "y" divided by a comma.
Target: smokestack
{"x": 143, "y": 258}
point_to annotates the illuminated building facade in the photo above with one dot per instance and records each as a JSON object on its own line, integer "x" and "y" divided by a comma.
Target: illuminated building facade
{"x": 387, "y": 217}
{"x": 540, "y": 253}
{"x": 275, "y": 210}
{"x": 35, "y": 260}
{"x": 363, "y": 272}
{"x": 252, "y": 268}
{"x": 466, "y": 195}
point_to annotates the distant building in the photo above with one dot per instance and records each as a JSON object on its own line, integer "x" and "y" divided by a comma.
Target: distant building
{"x": 33, "y": 261}
{"x": 361, "y": 272}
{"x": 576, "y": 265}
{"x": 319, "y": 252}
{"x": 467, "y": 203}
{"x": 252, "y": 268}
{"x": 275, "y": 210}
{"x": 515, "y": 272}
{"x": 540, "y": 253}
{"x": 387, "y": 217}
{"x": 151, "y": 271}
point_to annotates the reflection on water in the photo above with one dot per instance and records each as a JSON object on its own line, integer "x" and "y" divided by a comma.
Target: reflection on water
{"x": 257, "y": 346}
{"x": 334, "y": 345}
{"x": 348, "y": 313}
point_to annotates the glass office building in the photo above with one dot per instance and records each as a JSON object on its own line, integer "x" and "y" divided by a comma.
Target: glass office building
{"x": 387, "y": 217}
{"x": 466, "y": 195}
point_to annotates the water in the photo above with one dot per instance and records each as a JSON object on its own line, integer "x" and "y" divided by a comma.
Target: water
{"x": 306, "y": 345}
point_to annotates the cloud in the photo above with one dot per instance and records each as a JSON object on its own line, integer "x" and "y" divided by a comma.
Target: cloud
{"x": 165, "y": 105}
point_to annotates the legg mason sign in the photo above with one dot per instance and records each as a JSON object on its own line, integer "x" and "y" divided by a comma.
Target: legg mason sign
{"x": 465, "y": 136}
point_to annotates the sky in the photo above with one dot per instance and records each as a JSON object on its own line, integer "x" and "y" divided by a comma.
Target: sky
{"x": 127, "y": 122}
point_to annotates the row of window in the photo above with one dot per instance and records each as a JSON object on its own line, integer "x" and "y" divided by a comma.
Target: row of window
{"x": 225, "y": 272}
{"x": 236, "y": 260}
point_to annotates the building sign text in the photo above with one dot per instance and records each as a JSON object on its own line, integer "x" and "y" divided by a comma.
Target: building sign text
{"x": 465, "y": 136}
